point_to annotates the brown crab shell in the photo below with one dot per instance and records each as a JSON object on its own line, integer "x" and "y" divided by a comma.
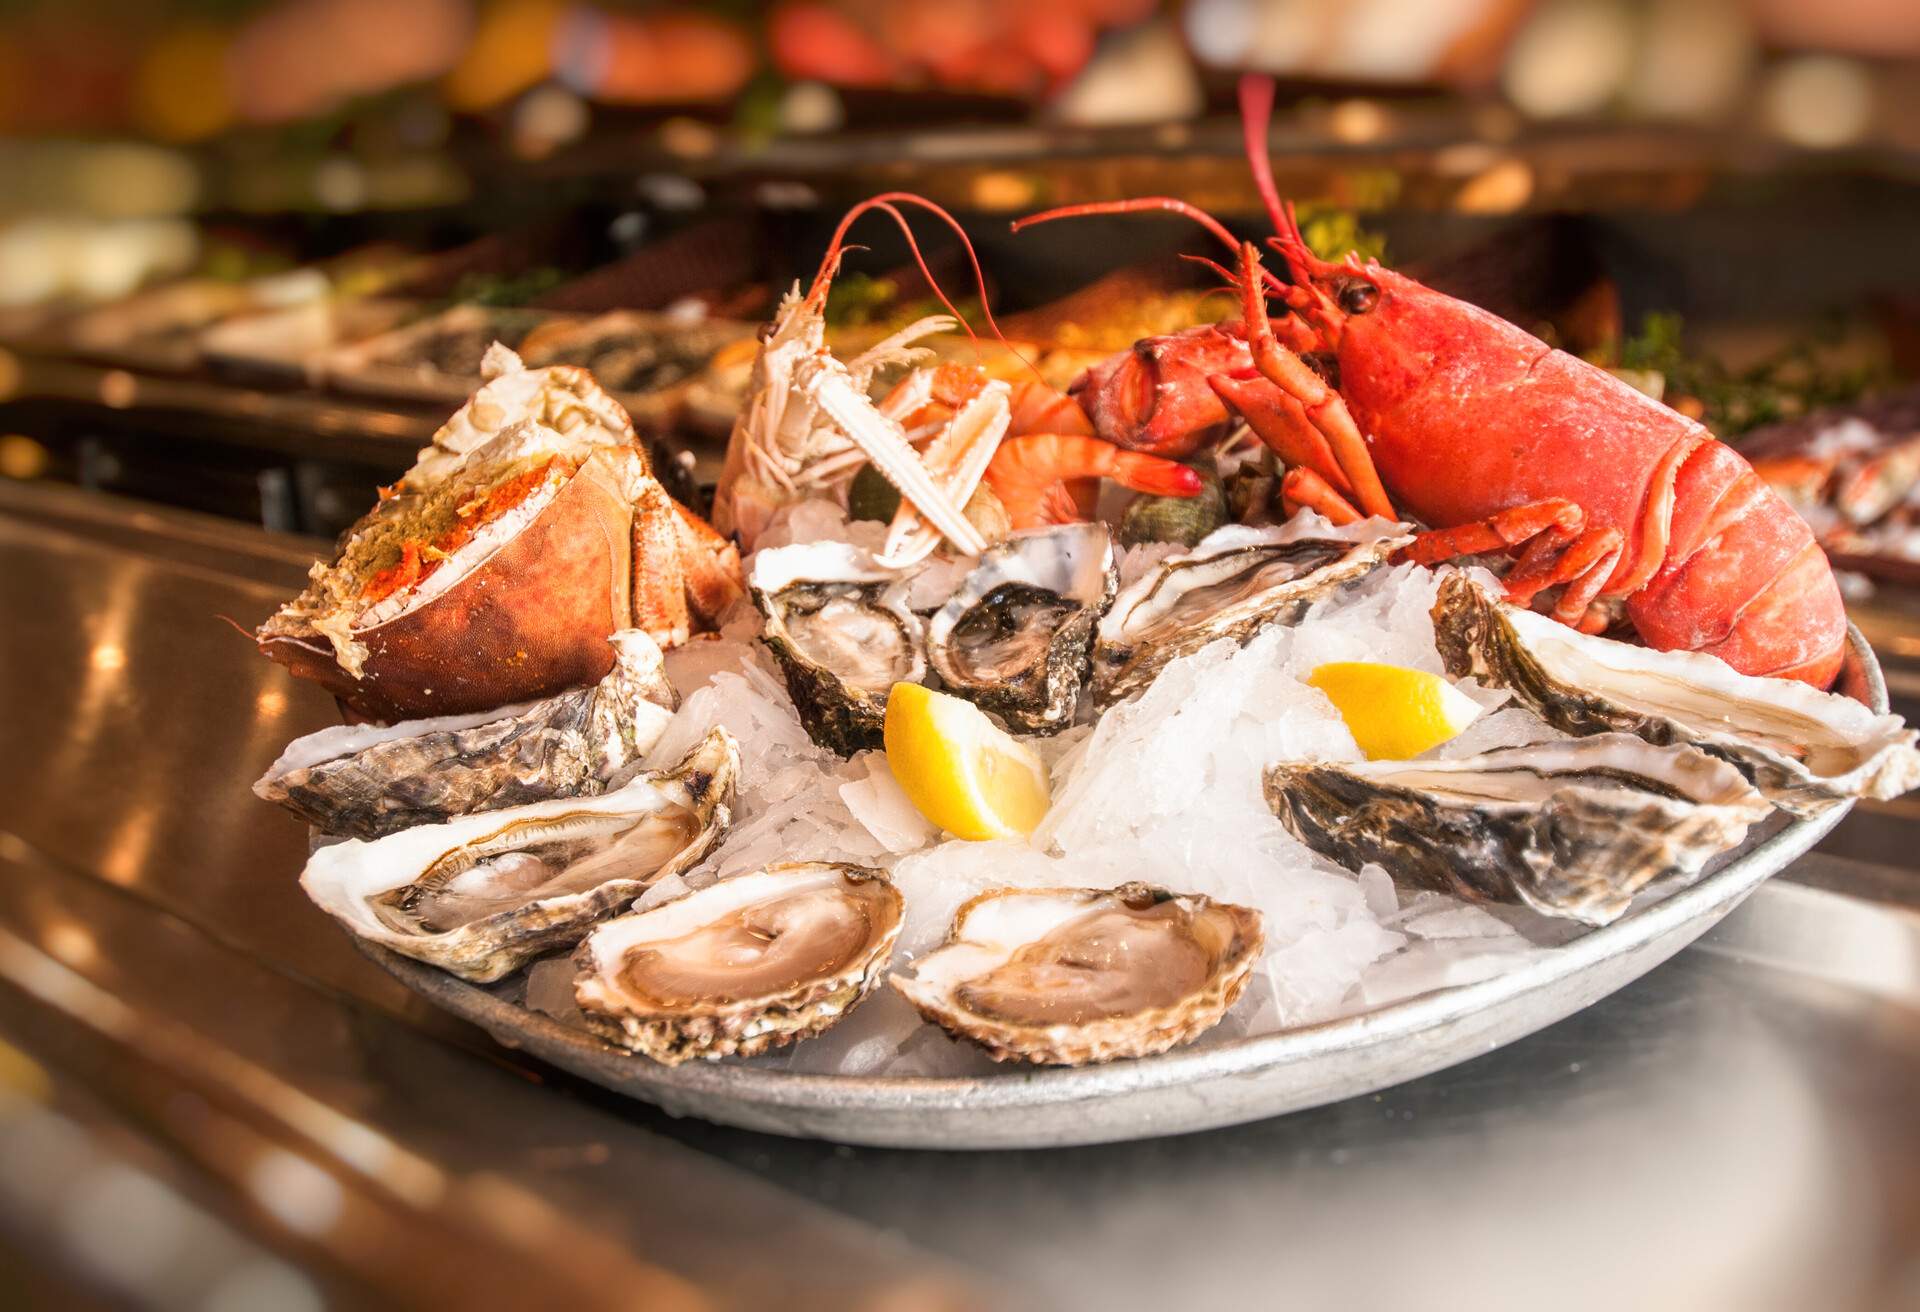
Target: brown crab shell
{"x": 530, "y": 621}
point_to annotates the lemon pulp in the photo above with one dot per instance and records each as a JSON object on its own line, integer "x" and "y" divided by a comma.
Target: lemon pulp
{"x": 963, "y": 772}
{"x": 1394, "y": 713}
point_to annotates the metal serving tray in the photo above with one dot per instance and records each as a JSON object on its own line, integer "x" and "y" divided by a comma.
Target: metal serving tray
{"x": 1189, "y": 1089}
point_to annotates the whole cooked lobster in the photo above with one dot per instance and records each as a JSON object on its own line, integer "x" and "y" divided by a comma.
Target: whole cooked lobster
{"x": 1488, "y": 435}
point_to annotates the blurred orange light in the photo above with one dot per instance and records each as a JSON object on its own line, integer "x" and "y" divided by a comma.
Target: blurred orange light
{"x": 676, "y": 57}
{"x": 512, "y": 50}
{"x": 180, "y": 89}
{"x": 22, "y": 458}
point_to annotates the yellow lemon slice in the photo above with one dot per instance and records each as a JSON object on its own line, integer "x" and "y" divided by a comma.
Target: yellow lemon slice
{"x": 1394, "y": 713}
{"x": 964, "y": 772}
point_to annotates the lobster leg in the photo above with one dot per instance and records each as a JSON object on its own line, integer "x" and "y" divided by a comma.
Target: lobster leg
{"x": 1322, "y": 405}
{"x": 1304, "y": 489}
{"x": 1583, "y": 567}
{"x": 1561, "y": 521}
{"x": 1560, "y": 550}
{"x": 1281, "y": 422}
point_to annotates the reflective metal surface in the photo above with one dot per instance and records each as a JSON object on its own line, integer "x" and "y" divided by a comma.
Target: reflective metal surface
{"x": 1734, "y": 1130}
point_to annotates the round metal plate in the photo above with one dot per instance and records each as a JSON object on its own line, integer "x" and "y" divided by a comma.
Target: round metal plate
{"x": 1189, "y": 1089}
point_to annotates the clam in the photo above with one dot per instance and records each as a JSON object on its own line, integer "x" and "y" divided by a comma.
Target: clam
{"x": 1235, "y": 583}
{"x": 1804, "y": 749}
{"x": 367, "y": 780}
{"x": 1572, "y": 828}
{"x": 1068, "y": 976}
{"x": 483, "y": 894}
{"x": 837, "y": 623}
{"x": 1015, "y": 636}
{"x": 753, "y": 962}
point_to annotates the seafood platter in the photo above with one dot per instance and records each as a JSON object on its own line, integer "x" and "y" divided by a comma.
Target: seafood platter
{"x": 1295, "y": 704}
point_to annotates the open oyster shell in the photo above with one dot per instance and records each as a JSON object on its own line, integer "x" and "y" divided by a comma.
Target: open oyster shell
{"x": 751, "y": 963}
{"x": 1572, "y": 828}
{"x": 1069, "y": 976}
{"x": 1805, "y": 749}
{"x": 1015, "y": 636}
{"x": 483, "y": 894}
{"x": 838, "y": 624}
{"x": 364, "y": 781}
{"x": 1235, "y": 583}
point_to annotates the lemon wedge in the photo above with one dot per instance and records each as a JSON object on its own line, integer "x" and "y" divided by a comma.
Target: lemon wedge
{"x": 961, "y": 770}
{"x": 1394, "y": 713}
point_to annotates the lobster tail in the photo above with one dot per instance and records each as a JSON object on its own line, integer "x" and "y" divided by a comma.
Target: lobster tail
{"x": 1743, "y": 578}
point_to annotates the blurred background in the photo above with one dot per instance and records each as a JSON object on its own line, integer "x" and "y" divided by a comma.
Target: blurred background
{"x": 251, "y": 250}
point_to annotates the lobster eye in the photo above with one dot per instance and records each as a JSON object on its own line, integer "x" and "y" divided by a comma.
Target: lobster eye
{"x": 1357, "y": 296}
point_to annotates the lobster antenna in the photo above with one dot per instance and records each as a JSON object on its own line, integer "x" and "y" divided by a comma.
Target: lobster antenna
{"x": 1256, "y": 117}
{"x": 1295, "y": 297}
{"x": 1143, "y": 204}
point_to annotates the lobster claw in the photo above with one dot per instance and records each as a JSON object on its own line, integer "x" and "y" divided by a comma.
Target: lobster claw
{"x": 1156, "y": 398}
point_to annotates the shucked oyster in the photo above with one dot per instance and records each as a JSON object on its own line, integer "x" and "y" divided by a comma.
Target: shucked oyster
{"x": 1235, "y": 583}
{"x": 1572, "y": 828}
{"x": 838, "y": 625}
{"x": 1068, "y": 976}
{"x": 1805, "y": 749}
{"x": 367, "y": 780}
{"x": 1014, "y": 637}
{"x": 483, "y": 894}
{"x": 750, "y": 963}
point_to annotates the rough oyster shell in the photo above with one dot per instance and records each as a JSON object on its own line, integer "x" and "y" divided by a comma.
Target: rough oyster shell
{"x": 838, "y": 624}
{"x": 1069, "y": 976}
{"x": 753, "y": 962}
{"x": 1235, "y": 583}
{"x": 560, "y": 867}
{"x": 1572, "y": 828}
{"x": 364, "y": 781}
{"x": 1805, "y": 749}
{"x": 1015, "y": 636}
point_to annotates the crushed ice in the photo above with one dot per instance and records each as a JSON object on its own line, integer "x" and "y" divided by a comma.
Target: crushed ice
{"x": 1165, "y": 789}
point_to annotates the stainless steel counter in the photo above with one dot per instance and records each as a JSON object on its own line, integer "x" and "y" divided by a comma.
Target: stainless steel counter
{"x": 209, "y": 1098}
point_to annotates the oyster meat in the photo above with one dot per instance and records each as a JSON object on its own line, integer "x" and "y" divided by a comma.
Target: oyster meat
{"x": 364, "y": 781}
{"x": 1235, "y": 583}
{"x": 483, "y": 894}
{"x": 1015, "y": 636}
{"x": 1805, "y": 749}
{"x": 1572, "y": 828}
{"x": 1068, "y": 976}
{"x": 837, "y": 622}
{"x": 753, "y": 962}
